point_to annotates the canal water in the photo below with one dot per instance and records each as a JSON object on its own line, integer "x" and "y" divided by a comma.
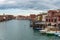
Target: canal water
{"x": 21, "y": 30}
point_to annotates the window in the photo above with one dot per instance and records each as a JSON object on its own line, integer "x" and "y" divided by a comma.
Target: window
{"x": 49, "y": 20}
{"x": 59, "y": 19}
{"x": 59, "y": 26}
{"x": 55, "y": 20}
{"x": 54, "y": 25}
{"x": 49, "y": 24}
{"x": 46, "y": 20}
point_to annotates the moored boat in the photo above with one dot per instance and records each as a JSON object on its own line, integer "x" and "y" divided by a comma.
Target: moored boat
{"x": 57, "y": 33}
{"x": 43, "y": 31}
{"x": 50, "y": 33}
{"x": 37, "y": 28}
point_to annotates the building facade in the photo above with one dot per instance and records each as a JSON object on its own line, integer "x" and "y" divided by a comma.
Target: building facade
{"x": 53, "y": 18}
{"x": 32, "y": 17}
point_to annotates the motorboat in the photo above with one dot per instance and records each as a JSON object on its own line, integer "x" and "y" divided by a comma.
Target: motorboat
{"x": 50, "y": 32}
{"x": 57, "y": 33}
{"x": 43, "y": 31}
{"x": 38, "y": 28}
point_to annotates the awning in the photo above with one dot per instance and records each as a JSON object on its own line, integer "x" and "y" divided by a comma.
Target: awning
{"x": 40, "y": 23}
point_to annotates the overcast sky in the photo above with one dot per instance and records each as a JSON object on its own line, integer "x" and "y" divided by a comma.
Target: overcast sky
{"x": 30, "y": 6}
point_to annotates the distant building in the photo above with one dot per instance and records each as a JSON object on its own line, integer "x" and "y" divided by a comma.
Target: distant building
{"x": 32, "y": 17}
{"x": 20, "y": 17}
{"x": 6, "y": 17}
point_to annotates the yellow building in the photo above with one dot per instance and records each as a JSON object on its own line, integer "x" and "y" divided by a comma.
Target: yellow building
{"x": 39, "y": 18}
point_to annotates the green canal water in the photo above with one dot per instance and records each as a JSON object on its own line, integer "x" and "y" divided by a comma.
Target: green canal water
{"x": 21, "y": 30}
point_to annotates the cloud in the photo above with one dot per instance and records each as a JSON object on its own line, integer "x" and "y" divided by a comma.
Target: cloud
{"x": 2, "y": 1}
{"x": 20, "y": 12}
{"x": 30, "y": 4}
{"x": 11, "y": 2}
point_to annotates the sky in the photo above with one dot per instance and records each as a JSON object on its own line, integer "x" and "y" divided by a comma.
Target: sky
{"x": 26, "y": 7}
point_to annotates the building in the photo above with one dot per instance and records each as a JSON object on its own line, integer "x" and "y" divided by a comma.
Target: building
{"x": 20, "y": 17}
{"x": 39, "y": 22}
{"x": 53, "y": 19}
{"x": 41, "y": 17}
{"x": 6, "y": 17}
{"x": 32, "y": 17}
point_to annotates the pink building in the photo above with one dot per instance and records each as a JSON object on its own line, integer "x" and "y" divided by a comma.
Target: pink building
{"x": 53, "y": 18}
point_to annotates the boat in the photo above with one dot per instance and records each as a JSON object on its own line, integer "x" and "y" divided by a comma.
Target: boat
{"x": 57, "y": 33}
{"x": 43, "y": 31}
{"x": 50, "y": 33}
{"x": 37, "y": 28}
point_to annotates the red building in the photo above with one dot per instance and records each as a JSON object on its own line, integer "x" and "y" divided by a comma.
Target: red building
{"x": 32, "y": 17}
{"x": 53, "y": 18}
